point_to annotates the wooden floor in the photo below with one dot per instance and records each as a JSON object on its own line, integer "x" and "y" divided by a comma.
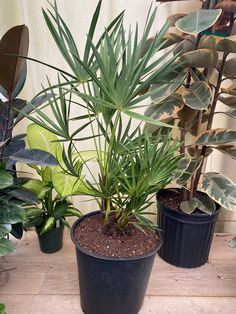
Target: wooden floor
{"x": 37, "y": 283}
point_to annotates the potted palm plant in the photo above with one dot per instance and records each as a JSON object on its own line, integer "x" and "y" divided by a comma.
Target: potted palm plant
{"x": 188, "y": 214}
{"x": 49, "y": 218}
{"x": 116, "y": 245}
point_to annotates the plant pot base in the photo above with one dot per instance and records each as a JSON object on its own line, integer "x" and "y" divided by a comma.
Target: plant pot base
{"x": 51, "y": 241}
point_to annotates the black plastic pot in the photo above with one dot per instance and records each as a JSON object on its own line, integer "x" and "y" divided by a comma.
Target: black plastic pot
{"x": 186, "y": 238}
{"x": 110, "y": 285}
{"x": 51, "y": 241}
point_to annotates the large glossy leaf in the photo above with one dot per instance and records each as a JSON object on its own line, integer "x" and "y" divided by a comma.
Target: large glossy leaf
{"x": 228, "y": 101}
{"x": 198, "y": 96}
{"x": 230, "y": 67}
{"x": 191, "y": 169}
{"x": 189, "y": 207}
{"x": 66, "y": 184}
{"x": 206, "y": 204}
{"x": 216, "y": 137}
{"x": 4, "y": 229}
{"x": 220, "y": 188}
{"x": 166, "y": 109}
{"x": 38, "y": 187}
{"x": 71, "y": 211}
{"x": 230, "y": 90}
{"x": 182, "y": 167}
{"x": 5, "y": 179}
{"x": 28, "y": 197}
{"x": 20, "y": 83}
{"x": 60, "y": 209}
{"x": 11, "y": 213}
{"x": 199, "y": 21}
{"x": 40, "y": 138}
{"x": 227, "y": 6}
{"x": 15, "y": 42}
{"x": 200, "y": 58}
{"x": 217, "y": 43}
{"x": 6, "y": 247}
{"x": 227, "y": 149}
{"x": 35, "y": 157}
{"x": 33, "y": 212}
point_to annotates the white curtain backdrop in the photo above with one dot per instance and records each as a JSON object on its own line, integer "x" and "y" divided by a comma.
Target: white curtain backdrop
{"x": 77, "y": 14}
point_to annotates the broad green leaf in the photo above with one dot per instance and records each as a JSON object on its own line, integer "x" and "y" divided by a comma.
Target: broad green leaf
{"x": 232, "y": 243}
{"x": 60, "y": 209}
{"x": 26, "y": 196}
{"x": 71, "y": 211}
{"x": 230, "y": 68}
{"x": 66, "y": 184}
{"x": 6, "y": 247}
{"x": 189, "y": 172}
{"x": 166, "y": 109}
{"x": 48, "y": 224}
{"x": 189, "y": 207}
{"x": 6, "y": 179}
{"x": 166, "y": 90}
{"x": 197, "y": 22}
{"x": 198, "y": 96}
{"x": 11, "y": 213}
{"x": 230, "y": 90}
{"x": 220, "y": 188}
{"x": 206, "y": 204}
{"x": 216, "y": 137}
{"x": 35, "y": 157}
{"x": 40, "y": 138}
{"x": 46, "y": 173}
{"x": 200, "y": 58}
{"x": 4, "y": 229}
{"x": 224, "y": 44}
{"x": 88, "y": 155}
{"x": 33, "y": 212}
{"x": 227, "y": 6}
{"x": 38, "y": 187}
{"x": 228, "y": 101}
{"x": 227, "y": 149}
{"x": 2, "y": 309}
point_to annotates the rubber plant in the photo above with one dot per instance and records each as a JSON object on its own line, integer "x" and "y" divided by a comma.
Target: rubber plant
{"x": 206, "y": 42}
{"x": 13, "y": 197}
{"x": 53, "y": 207}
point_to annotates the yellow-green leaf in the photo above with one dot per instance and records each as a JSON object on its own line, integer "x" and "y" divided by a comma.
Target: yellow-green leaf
{"x": 48, "y": 225}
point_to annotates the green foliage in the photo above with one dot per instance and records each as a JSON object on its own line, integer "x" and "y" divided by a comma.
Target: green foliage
{"x": 208, "y": 38}
{"x": 2, "y": 309}
{"x": 108, "y": 84}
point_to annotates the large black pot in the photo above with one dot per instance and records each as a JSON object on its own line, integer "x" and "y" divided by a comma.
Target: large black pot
{"x": 52, "y": 240}
{"x": 110, "y": 285}
{"x": 186, "y": 238}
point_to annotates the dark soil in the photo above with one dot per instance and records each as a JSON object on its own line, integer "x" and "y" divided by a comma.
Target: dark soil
{"x": 93, "y": 236}
{"x": 170, "y": 199}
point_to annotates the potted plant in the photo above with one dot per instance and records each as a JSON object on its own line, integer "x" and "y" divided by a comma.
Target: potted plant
{"x": 188, "y": 214}
{"x": 49, "y": 218}
{"x": 13, "y": 197}
{"x": 116, "y": 245}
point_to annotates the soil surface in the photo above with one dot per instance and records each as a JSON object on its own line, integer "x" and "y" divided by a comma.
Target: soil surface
{"x": 170, "y": 199}
{"x": 92, "y": 236}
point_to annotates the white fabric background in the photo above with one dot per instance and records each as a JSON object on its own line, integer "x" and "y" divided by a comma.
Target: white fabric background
{"x": 77, "y": 14}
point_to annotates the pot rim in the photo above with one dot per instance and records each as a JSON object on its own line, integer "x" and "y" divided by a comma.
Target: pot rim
{"x": 180, "y": 212}
{"x": 111, "y": 258}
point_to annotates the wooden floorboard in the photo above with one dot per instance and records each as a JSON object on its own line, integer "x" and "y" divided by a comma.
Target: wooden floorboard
{"x": 35, "y": 283}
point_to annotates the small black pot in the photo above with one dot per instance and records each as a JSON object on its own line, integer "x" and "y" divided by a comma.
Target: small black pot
{"x": 111, "y": 285}
{"x": 186, "y": 238}
{"x": 51, "y": 241}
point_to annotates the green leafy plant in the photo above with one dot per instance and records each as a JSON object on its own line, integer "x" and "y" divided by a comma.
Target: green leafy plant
{"x": 53, "y": 207}
{"x": 205, "y": 41}
{"x": 13, "y": 197}
{"x": 108, "y": 85}
{"x": 2, "y": 309}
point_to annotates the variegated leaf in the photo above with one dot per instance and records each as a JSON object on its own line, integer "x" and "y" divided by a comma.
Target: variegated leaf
{"x": 206, "y": 204}
{"x": 189, "y": 207}
{"x": 198, "y": 21}
{"x": 224, "y": 44}
{"x": 219, "y": 188}
{"x": 228, "y": 150}
{"x": 171, "y": 39}
{"x": 216, "y": 137}
{"x": 191, "y": 169}
{"x": 228, "y": 101}
{"x": 182, "y": 167}
{"x": 192, "y": 151}
{"x": 201, "y": 58}
{"x": 198, "y": 96}
{"x": 48, "y": 224}
{"x": 230, "y": 90}
{"x": 230, "y": 67}
{"x": 172, "y": 19}
{"x": 166, "y": 109}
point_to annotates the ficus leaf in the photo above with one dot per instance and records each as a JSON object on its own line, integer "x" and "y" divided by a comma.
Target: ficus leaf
{"x": 227, "y": 6}
{"x": 227, "y": 149}
{"x": 224, "y": 44}
{"x": 198, "y": 96}
{"x": 216, "y": 137}
{"x": 200, "y": 58}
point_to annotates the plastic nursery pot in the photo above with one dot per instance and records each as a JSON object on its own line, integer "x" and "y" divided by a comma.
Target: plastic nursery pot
{"x": 111, "y": 285}
{"x": 186, "y": 238}
{"x": 51, "y": 241}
